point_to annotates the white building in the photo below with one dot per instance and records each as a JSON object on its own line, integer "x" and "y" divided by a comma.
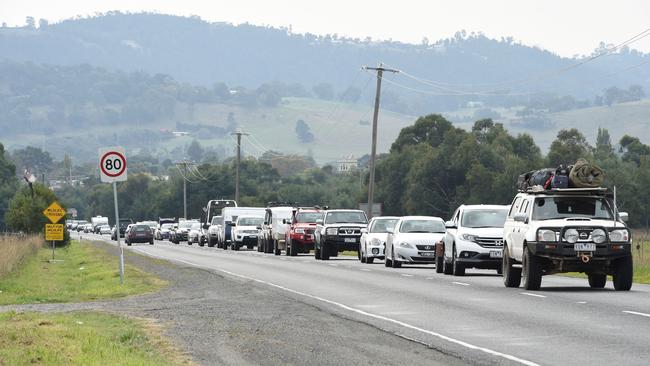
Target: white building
{"x": 347, "y": 165}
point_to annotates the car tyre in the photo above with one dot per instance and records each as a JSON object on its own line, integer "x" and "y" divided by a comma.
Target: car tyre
{"x": 623, "y": 274}
{"x": 276, "y": 248}
{"x": 511, "y": 275}
{"x": 293, "y": 250}
{"x": 394, "y": 263}
{"x": 151, "y": 242}
{"x": 597, "y": 280}
{"x": 439, "y": 263}
{"x": 446, "y": 267}
{"x": 532, "y": 271}
{"x": 457, "y": 267}
{"x": 324, "y": 253}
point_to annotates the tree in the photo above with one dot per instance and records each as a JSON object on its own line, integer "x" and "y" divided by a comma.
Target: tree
{"x": 569, "y": 146}
{"x": 8, "y": 184}
{"x": 33, "y": 159}
{"x": 26, "y": 213}
{"x": 303, "y": 131}
{"x": 30, "y": 22}
{"x": 324, "y": 91}
{"x": 603, "y": 143}
{"x": 195, "y": 151}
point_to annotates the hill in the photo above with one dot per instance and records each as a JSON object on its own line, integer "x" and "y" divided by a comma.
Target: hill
{"x": 202, "y": 53}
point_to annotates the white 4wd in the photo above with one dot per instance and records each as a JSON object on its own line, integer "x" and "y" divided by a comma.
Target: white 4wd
{"x": 474, "y": 239}
{"x": 566, "y": 230}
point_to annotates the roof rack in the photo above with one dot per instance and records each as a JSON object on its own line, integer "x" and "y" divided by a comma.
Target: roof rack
{"x": 569, "y": 191}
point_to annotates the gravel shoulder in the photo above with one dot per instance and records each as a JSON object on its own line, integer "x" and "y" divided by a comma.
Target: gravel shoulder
{"x": 219, "y": 320}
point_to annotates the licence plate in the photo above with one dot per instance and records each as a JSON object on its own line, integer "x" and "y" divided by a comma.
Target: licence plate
{"x": 584, "y": 247}
{"x": 253, "y": 236}
{"x": 428, "y": 254}
{"x": 308, "y": 237}
{"x": 350, "y": 240}
{"x": 496, "y": 254}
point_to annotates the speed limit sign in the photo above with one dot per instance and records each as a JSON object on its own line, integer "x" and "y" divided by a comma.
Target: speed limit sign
{"x": 112, "y": 164}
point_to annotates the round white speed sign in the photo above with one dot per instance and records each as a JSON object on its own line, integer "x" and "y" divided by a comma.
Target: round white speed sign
{"x": 112, "y": 164}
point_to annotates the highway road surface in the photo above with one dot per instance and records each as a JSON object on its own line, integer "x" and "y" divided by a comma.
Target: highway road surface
{"x": 474, "y": 317}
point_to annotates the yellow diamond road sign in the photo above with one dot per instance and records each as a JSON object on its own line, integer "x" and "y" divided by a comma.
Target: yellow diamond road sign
{"x": 54, "y": 232}
{"x": 54, "y": 212}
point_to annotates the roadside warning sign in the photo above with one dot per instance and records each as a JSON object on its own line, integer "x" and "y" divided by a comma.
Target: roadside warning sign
{"x": 54, "y": 212}
{"x": 54, "y": 232}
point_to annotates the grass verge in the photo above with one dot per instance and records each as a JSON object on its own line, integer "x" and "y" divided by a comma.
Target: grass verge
{"x": 641, "y": 262}
{"x": 83, "y": 338}
{"x": 86, "y": 273}
{"x": 15, "y": 250}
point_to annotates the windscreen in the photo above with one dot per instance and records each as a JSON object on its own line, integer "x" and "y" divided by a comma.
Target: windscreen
{"x": 250, "y": 221}
{"x": 422, "y": 226}
{"x": 196, "y": 226}
{"x": 166, "y": 226}
{"x": 484, "y": 218}
{"x": 141, "y": 228}
{"x": 547, "y": 208}
{"x": 382, "y": 225}
{"x": 216, "y": 220}
{"x": 346, "y": 217}
{"x": 308, "y": 217}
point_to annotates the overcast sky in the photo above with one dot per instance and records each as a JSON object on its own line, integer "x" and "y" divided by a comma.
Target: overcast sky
{"x": 566, "y": 27}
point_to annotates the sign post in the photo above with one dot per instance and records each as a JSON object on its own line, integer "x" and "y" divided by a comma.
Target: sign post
{"x": 112, "y": 168}
{"x": 54, "y": 231}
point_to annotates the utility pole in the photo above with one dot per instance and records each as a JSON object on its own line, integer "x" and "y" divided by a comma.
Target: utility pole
{"x": 373, "y": 152}
{"x": 184, "y": 163}
{"x": 239, "y": 134}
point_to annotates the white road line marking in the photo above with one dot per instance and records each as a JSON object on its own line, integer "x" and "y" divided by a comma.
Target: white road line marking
{"x": 406, "y": 275}
{"x": 534, "y": 295}
{"x": 365, "y": 313}
{"x": 365, "y": 270}
{"x": 581, "y": 302}
{"x": 636, "y": 313}
{"x": 429, "y": 278}
{"x": 460, "y": 283}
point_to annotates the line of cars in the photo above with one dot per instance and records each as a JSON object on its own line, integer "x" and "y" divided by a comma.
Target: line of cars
{"x": 539, "y": 233}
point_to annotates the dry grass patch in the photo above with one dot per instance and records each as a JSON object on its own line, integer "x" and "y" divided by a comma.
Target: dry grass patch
{"x": 15, "y": 249}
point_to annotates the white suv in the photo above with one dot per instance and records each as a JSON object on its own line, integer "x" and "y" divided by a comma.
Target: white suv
{"x": 474, "y": 239}
{"x": 566, "y": 230}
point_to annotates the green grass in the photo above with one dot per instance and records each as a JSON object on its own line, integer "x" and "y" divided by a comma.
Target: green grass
{"x": 83, "y": 338}
{"x": 85, "y": 274}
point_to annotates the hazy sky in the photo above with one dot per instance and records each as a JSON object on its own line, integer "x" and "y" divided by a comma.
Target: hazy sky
{"x": 566, "y": 27}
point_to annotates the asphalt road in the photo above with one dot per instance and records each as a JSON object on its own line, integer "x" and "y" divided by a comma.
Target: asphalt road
{"x": 474, "y": 318}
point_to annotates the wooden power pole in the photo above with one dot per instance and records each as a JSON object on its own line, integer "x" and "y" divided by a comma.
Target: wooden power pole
{"x": 239, "y": 134}
{"x": 373, "y": 152}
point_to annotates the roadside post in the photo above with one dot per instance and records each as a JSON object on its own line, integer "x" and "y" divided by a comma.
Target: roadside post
{"x": 54, "y": 231}
{"x": 112, "y": 169}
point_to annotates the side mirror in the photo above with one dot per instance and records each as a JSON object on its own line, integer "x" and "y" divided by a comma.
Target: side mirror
{"x": 624, "y": 216}
{"x": 390, "y": 231}
{"x": 232, "y": 223}
{"x": 364, "y": 231}
{"x": 521, "y": 217}
{"x": 450, "y": 225}
{"x": 319, "y": 222}
{"x": 284, "y": 221}
{"x": 259, "y": 227}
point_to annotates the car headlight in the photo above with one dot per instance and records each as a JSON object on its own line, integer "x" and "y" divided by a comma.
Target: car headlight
{"x": 406, "y": 245}
{"x": 299, "y": 231}
{"x": 469, "y": 237}
{"x": 375, "y": 241}
{"x": 332, "y": 231}
{"x": 619, "y": 235}
{"x": 571, "y": 236}
{"x": 546, "y": 235}
{"x": 598, "y": 236}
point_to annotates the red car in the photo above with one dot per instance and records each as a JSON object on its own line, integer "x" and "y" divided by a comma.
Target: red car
{"x": 139, "y": 233}
{"x": 300, "y": 236}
